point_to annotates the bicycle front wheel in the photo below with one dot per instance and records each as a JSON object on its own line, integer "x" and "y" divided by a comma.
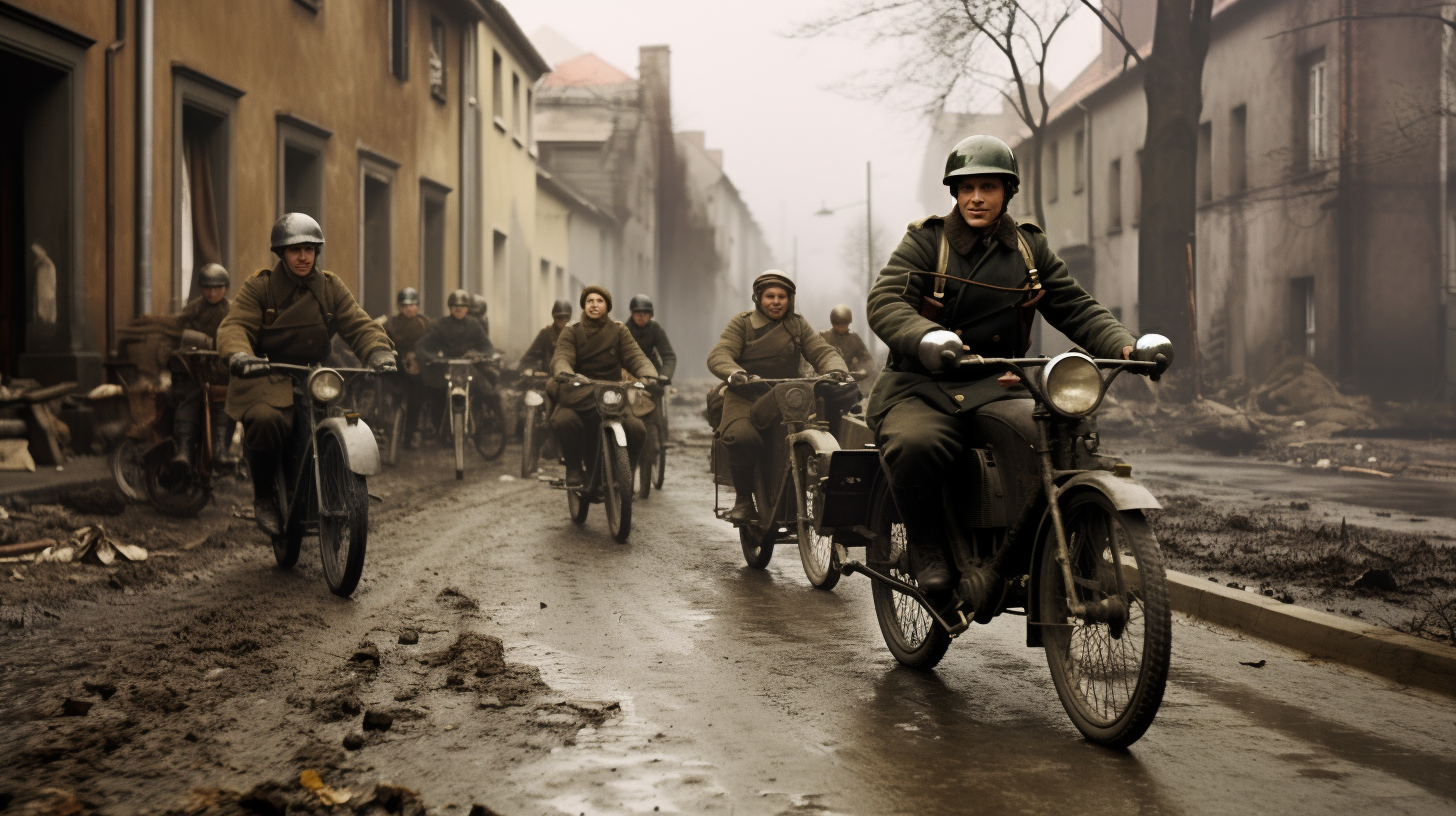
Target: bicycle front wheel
{"x": 816, "y": 551}
{"x": 343, "y": 519}
{"x": 618, "y": 478}
{"x": 1109, "y": 662}
{"x": 457, "y": 429}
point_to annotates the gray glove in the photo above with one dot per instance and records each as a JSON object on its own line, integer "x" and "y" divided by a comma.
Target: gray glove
{"x": 939, "y": 350}
{"x": 244, "y": 365}
{"x": 384, "y": 361}
{"x": 738, "y": 378}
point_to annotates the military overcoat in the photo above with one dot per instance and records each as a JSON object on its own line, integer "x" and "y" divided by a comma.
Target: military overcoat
{"x": 597, "y": 349}
{"x": 993, "y": 323}
{"x": 291, "y": 320}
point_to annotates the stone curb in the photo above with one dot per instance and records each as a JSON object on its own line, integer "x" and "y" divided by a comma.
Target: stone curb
{"x": 1406, "y": 659}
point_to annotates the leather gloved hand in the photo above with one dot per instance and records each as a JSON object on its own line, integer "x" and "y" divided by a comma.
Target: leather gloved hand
{"x": 384, "y": 361}
{"x": 244, "y": 365}
{"x": 738, "y": 378}
{"x": 940, "y": 350}
{"x": 838, "y": 376}
{"x": 564, "y": 377}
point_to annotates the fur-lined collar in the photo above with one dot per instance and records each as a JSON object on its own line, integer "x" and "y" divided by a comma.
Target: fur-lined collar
{"x": 962, "y": 237}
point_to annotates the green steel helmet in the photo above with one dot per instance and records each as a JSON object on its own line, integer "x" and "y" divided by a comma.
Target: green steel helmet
{"x": 478, "y": 306}
{"x": 294, "y": 229}
{"x": 408, "y": 296}
{"x": 981, "y": 156}
{"x": 459, "y": 297}
{"x": 212, "y": 275}
{"x": 642, "y": 303}
{"x": 840, "y": 316}
{"x": 561, "y": 308}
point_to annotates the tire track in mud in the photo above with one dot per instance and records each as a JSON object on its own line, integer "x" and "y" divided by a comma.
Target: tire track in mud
{"x": 212, "y": 695}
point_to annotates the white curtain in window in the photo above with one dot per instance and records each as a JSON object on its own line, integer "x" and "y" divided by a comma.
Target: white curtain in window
{"x": 185, "y": 225}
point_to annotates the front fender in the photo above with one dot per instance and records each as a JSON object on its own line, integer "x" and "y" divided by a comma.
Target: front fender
{"x": 356, "y": 440}
{"x": 618, "y": 431}
{"x": 1124, "y": 493}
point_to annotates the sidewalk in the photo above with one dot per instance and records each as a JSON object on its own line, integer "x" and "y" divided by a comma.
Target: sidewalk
{"x": 46, "y": 482}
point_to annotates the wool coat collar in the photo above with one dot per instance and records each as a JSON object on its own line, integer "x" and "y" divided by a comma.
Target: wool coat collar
{"x": 962, "y": 237}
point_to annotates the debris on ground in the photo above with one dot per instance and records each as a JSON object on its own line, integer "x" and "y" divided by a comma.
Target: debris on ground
{"x": 92, "y": 545}
{"x": 311, "y": 781}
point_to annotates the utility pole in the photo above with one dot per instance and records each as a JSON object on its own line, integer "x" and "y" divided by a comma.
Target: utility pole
{"x": 869, "y": 259}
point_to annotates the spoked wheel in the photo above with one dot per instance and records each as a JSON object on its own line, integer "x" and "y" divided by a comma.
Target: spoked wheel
{"x": 618, "y": 478}
{"x": 129, "y": 469}
{"x": 490, "y": 431}
{"x": 457, "y": 430}
{"x": 911, "y": 633}
{"x": 1110, "y": 665}
{"x": 287, "y": 545}
{"x": 179, "y": 495}
{"x": 815, "y": 551}
{"x": 343, "y": 519}
{"x": 531, "y": 441}
{"x": 646, "y": 460}
{"x": 577, "y": 505}
{"x": 396, "y": 436}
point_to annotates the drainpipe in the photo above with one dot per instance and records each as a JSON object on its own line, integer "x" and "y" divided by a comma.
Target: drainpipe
{"x": 1448, "y": 268}
{"x": 1087, "y": 182}
{"x": 1345, "y": 266}
{"x": 111, "y": 51}
{"x": 145, "y": 90}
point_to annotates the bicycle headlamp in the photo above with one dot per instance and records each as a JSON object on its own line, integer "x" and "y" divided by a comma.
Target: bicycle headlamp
{"x": 326, "y": 385}
{"x": 611, "y": 397}
{"x": 534, "y": 398}
{"x": 1072, "y": 384}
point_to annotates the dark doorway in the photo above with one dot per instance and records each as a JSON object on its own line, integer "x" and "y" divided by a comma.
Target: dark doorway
{"x": 432, "y": 249}
{"x": 376, "y": 261}
{"x": 34, "y": 213}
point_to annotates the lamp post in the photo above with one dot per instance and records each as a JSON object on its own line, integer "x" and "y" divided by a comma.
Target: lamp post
{"x": 869, "y": 248}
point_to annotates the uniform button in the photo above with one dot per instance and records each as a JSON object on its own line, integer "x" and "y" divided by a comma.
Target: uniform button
{"x": 995, "y": 338}
{"x": 960, "y": 397}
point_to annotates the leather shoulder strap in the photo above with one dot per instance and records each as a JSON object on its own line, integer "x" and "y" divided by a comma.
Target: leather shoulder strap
{"x": 1025, "y": 247}
{"x": 941, "y": 262}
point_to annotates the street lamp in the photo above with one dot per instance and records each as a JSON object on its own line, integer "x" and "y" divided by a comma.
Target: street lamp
{"x": 869, "y": 245}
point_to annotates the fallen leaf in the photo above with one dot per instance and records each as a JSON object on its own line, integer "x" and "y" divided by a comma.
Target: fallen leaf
{"x": 327, "y": 795}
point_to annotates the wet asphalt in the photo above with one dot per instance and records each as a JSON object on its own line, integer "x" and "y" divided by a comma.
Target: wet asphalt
{"x": 748, "y": 691}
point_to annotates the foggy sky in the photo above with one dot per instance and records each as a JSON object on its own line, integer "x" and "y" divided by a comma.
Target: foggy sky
{"x": 792, "y": 140}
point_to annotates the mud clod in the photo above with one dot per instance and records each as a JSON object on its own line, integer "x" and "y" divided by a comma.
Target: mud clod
{"x": 481, "y": 655}
{"x": 353, "y": 741}
{"x": 378, "y": 720}
{"x": 457, "y": 600}
{"x": 366, "y": 653}
{"x": 409, "y": 637}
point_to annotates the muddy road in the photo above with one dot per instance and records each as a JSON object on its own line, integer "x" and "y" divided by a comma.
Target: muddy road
{"x": 498, "y": 659}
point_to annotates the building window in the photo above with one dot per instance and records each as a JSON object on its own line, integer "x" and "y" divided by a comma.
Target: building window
{"x": 516, "y": 106}
{"x": 530, "y": 120}
{"x": 433, "y": 289}
{"x": 202, "y": 175}
{"x": 1137, "y": 188}
{"x": 1301, "y": 317}
{"x": 1239, "y": 149}
{"x": 437, "y": 59}
{"x": 376, "y": 246}
{"x": 497, "y": 90}
{"x": 499, "y": 262}
{"x": 301, "y": 147}
{"x": 1310, "y": 126}
{"x": 1079, "y": 162}
{"x": 1114, "y": 196}
{"x": 399, "y": 38}
{"x": 1205, "y": 162}
{"x": 1052, "y": 171}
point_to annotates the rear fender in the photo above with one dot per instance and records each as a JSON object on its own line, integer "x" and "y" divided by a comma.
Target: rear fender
{"x": 1124, "y": 493}
{"x": 356, "y": 440}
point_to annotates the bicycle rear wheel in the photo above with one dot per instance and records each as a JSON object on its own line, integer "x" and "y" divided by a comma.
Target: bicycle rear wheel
{"x": 396, "y": 435}
{"x": 911, "y": 633}
{"x": 1109, "y": 664}
{"x": 343, "y": 519}
{"x": 129, "y": 469}
{"x": 490, "y": 430}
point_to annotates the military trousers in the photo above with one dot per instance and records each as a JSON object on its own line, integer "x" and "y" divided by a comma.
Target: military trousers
{"x": 576, "y": 430}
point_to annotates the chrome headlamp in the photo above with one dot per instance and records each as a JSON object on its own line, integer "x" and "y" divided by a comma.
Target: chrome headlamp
{"x": 1072, "y": 384}
{"x": 326, "y": 385}
{"x": 534, "y": 398}
{"x": 611, "y": 397}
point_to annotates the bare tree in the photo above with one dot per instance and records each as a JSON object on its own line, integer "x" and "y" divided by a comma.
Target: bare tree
{"x": 1173, "y": 85}
{"x": 948, "y": 43}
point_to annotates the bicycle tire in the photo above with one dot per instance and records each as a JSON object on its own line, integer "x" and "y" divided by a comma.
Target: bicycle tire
{"x": 531, "y": 442}
{"x": 816, "y": 552}
{"x": 287, "y": 545}
{"x": 912, "y": 635}
{"x": 457, "y": 430}
{"x": 1092, "y": 662}
{"x": 618, "y": 478}
{"x": 128, "y": 469}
